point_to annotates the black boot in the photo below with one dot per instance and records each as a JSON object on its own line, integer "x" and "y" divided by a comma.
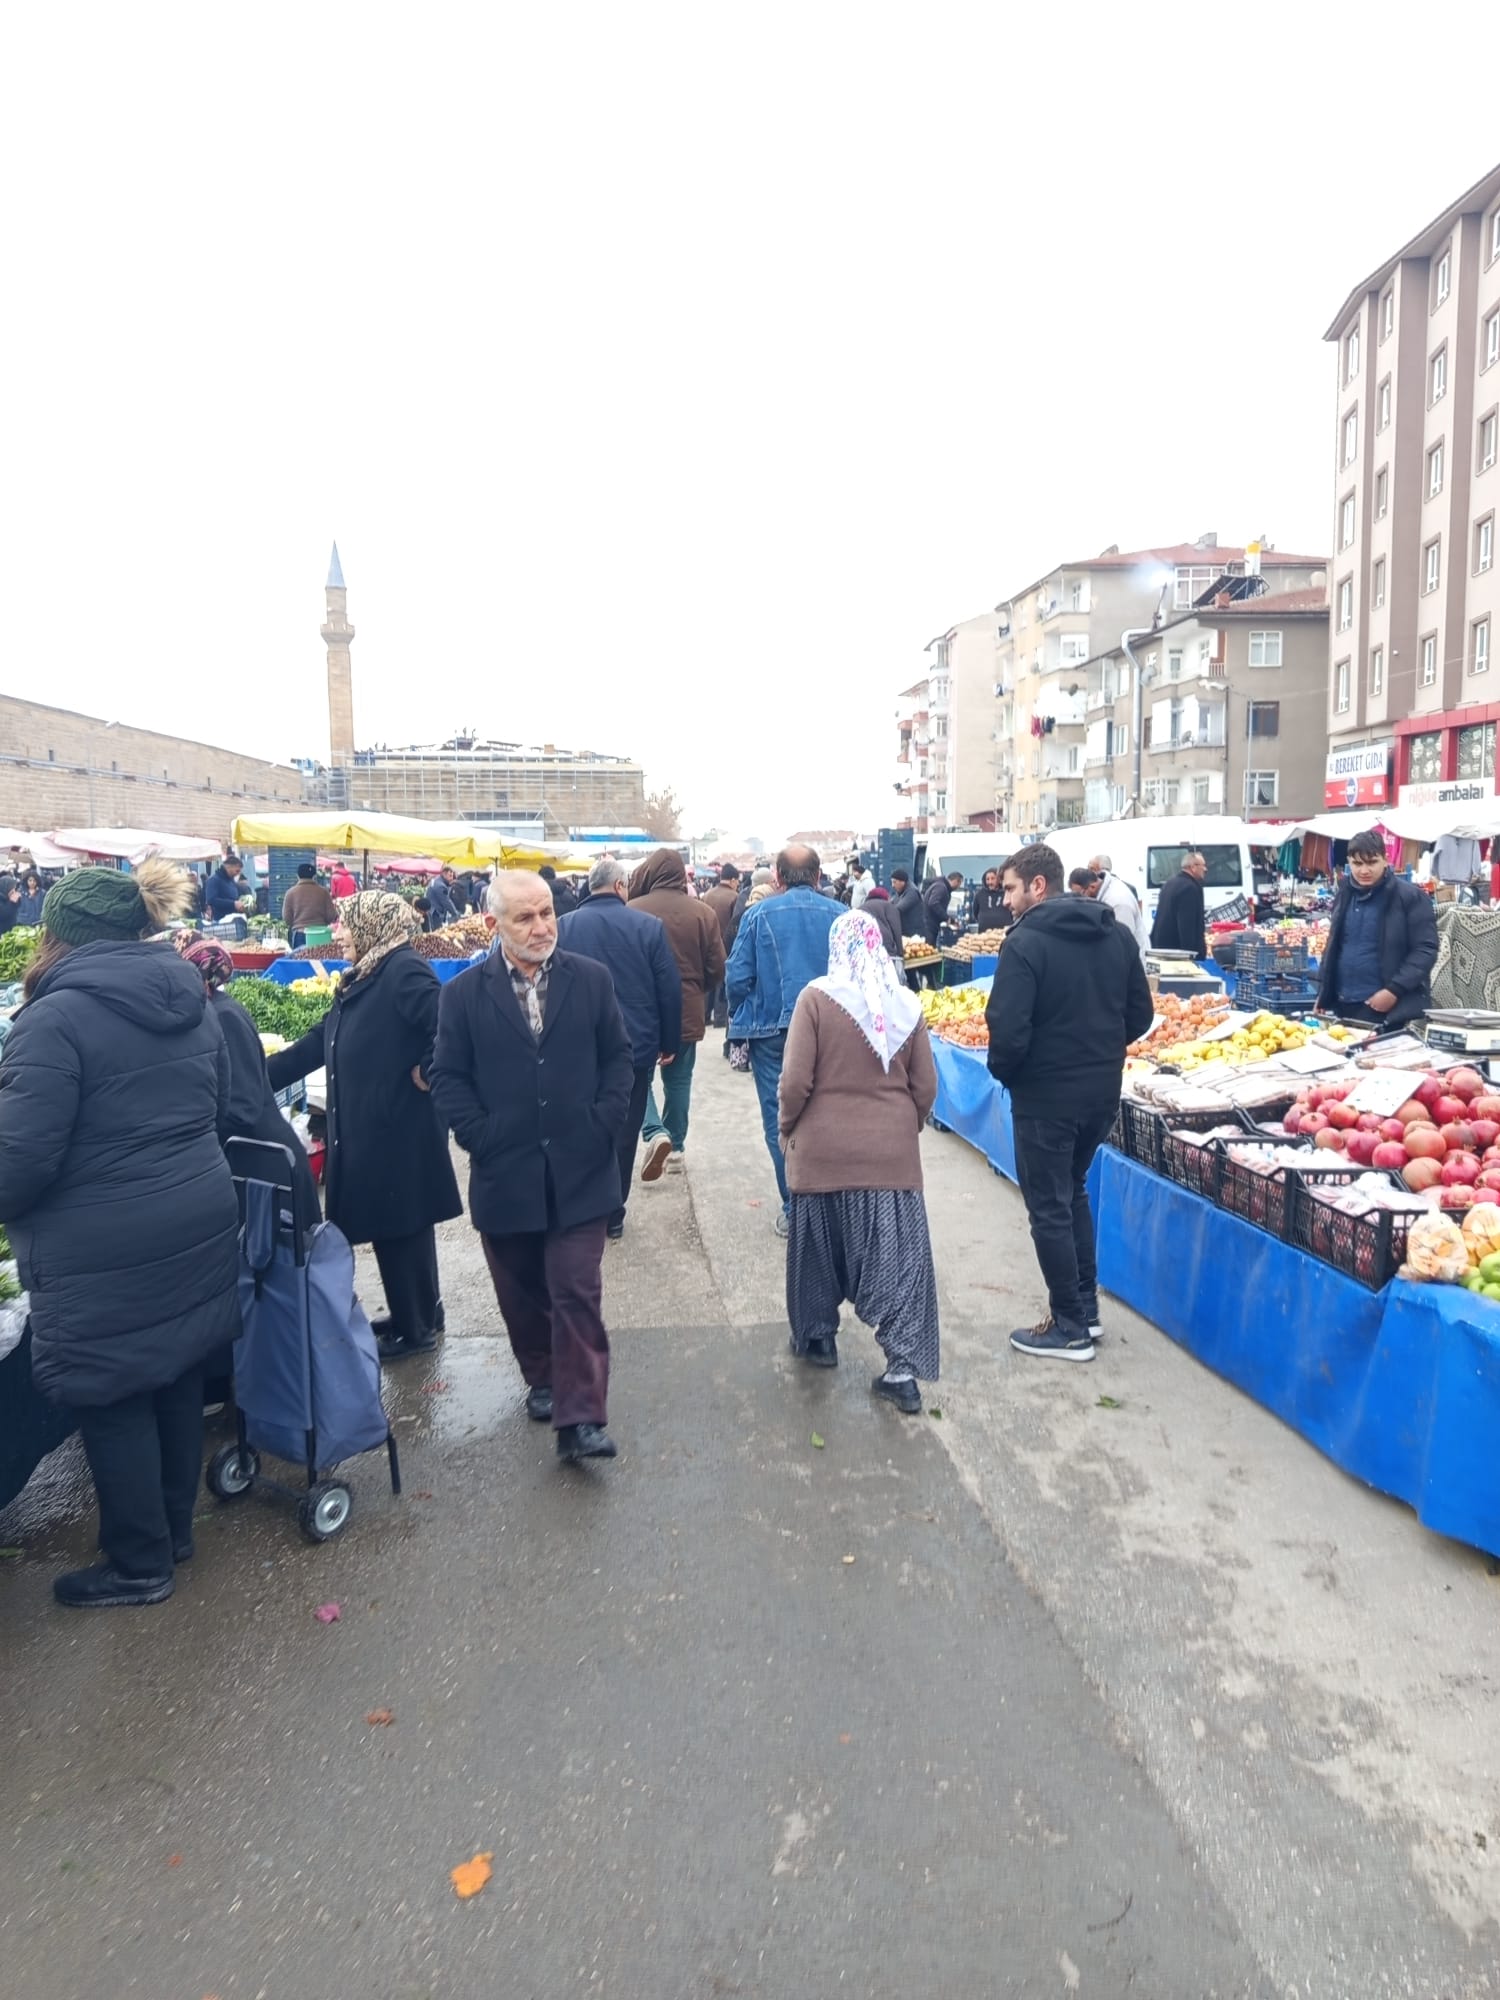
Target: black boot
{"x": 102, "y": 1588}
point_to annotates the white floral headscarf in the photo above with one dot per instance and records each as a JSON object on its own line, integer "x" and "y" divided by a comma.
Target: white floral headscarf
{"x": 862, "y": 980}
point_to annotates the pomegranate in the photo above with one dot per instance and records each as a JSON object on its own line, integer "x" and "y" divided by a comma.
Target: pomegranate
{"x": 1446, "y": 1109}
{"x": 1344, "y": 1116}
{"x": 1486, "y": 1130}
{"x": 1412, "y": 1112}
{"x": 1360, "y": 1146}
{"x": 1316, "y": 1121}
{"x": 1330, "y": 1138}
{"x": 1428, "y": 1091}
{"x": 1425, "y": 1142}
{"x": 1390, "y": 1153}
{"x": 1421, "y": 1174}
{"x": 1460, "y": 1169}
{"x": 1460, "y": 1136}
{"x": 1484, "y": 1107}
{"x": 1370, "y": 1121}
{"x": 1465, "y": 1083}
{"x": 1457, "y": 1196}
{"x": 1292, "y": 1121}
{"x": 1392, "y": 1128}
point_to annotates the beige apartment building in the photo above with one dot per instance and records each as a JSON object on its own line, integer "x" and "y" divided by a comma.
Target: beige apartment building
{"x": 1048, "y": 636}
{"x": 945, "y": 740}
{"x": 1413, "y": 680}
{"x": 1231, "y": 710}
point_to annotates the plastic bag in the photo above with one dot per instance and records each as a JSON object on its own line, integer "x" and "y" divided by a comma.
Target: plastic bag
{"x": 1481, "y": 1227}
{"x": 1435, "y": 1251}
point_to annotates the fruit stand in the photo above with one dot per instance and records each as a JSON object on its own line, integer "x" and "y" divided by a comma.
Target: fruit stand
{"x": 1396, "y": 1381}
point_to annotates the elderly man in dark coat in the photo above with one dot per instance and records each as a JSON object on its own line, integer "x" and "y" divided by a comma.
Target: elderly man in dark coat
{"x": 533, "y": 1073}
{"x": 1179, "y": 910}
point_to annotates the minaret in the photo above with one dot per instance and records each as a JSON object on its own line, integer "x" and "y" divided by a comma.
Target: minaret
{"x": 338, "y": 636}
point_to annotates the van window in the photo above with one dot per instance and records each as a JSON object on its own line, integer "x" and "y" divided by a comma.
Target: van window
{"x": 1162, "y": 863}
{"x": 972, "y": 867}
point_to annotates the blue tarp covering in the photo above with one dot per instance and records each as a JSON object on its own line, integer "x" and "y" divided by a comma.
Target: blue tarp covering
{"x": 1401, "y": 1387}
{"x": 285, "y": 970}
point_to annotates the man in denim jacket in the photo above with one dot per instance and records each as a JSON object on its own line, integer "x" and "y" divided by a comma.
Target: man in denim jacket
{"x": 781, "y": 946}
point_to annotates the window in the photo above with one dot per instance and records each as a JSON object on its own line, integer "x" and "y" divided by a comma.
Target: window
{"x": 1377, "y": 671}
{"x": 1200, "y": 793}
{"x": 1489, "y": 435}
{"x": 1174, "y": 663}
{"x": 1383, "y": 406}
{"x": 1152, "y": 790}
{"x": 1484, "y": 544}
{"x": 1495, "y": 234}
{"x": 1174, "y": 721}
{"x": 1346, "y": 604}
{"x": 1377, "y": 585}
{"x": 1075, "y": 598}
{"x": 1479, "y": 651}
{"x": 1432, "y": 567}
{"x": 1351, "y": 353}
{"x": 1387, "y": 315}
{"x": 1265, "y": 649}
{"x": 942, "y": 802}
{"x": 1382, "y": 493}
{"x": 1429, "y": 660}
{"x": 1346, "y": 521}
{"x": 1171, "y": 793}
{"x": 1437, "y": 381}
{"x": 1426, "y": 756}
{"x": 1261, "y": 788}
{"x": 1264, "y": 718}
{"x": 1476, "y": 751}
{"x": 1443, "y": 282}
{"x": 1341, "y": 687}
{"x": 1351, "y": 437}
{"x": 1434, "y": 472}
{"x": 1491, "y": 341}
{"x": 1191, "y": 584}
{"x": 1223, "y": 871}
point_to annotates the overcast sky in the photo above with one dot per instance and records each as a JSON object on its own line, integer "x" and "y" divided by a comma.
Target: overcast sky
{"x": 668, "y": 375}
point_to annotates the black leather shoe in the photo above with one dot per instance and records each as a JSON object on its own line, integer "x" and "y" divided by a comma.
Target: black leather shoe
{"x": 103, "y": 1588}
{"x": 822, "y": 1352}
{"x": 182, "y": 1552}
{"x": 440, "y": 1319}
{"x": 903, "y": 1392}
{"x": 539, "y": 1405}
{"x": 584, "y": 1441}
{"x": 615, "y": 1231}
{"x": 397, "y": 1346}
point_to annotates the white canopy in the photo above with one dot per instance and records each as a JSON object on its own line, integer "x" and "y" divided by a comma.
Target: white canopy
{"x": 40, "y": 846}
{"x": 1425, "y": 823}
{"x": 134, "y": 843}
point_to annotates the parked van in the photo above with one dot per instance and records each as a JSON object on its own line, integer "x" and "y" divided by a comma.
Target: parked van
{"x": 1147, "y": 853}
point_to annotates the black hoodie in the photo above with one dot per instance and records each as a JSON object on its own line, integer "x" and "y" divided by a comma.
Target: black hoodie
{"x": 114, "y": 1083}
{"x": 1070, "y": 995}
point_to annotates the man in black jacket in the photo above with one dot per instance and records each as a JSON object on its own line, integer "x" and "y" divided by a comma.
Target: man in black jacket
{"x": 1179, "y": 910}
{"x": 1382, "y": 943}
{"x": 936, "y": 898}
{"x": 632, "y": 946}
{"x": 908, "y": 902}
{"x": 532, "y": 1073}
{"x": 1069, "y": 997}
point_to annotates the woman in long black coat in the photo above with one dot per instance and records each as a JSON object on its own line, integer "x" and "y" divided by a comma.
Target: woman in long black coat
{"x": 114, "y": 1084}
{"x": 389, "y": 1178}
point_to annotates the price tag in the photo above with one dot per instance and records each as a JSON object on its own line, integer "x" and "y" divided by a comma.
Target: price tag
{"x": 1221, "y": 1030}
{"x": 1381, "y": 1091}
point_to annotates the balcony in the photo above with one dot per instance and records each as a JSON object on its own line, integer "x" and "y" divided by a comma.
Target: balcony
{"x": 1188, "y": 739}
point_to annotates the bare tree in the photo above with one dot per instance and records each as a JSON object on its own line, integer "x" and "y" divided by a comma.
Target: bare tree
{"x": 663, "y": 815}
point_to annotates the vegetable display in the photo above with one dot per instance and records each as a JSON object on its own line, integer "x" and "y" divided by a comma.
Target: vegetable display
{"x": 283, "y": 1010}
{"x": 17, "y": 949}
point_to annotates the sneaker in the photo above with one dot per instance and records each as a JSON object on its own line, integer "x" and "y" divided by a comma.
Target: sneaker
{"x": 1053, "y": 1342}
{"x": 676, "y": 1161}
{"x": 1091, "y": 1320}
{"x": 783, "y": 1225}
{"x": 900, "y": 1389}
{"x": 656, "y": 1158}
{"x": 102, "y": 1588}
{"x": 575, "y": 1441}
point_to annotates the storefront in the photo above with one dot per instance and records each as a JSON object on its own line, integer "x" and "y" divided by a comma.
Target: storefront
{"x": 1359, "y": 774}
{"x": 1447, "y": 759}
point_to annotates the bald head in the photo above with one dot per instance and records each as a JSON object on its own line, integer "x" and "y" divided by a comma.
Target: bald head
{"x": 521, "y": 913}
{"x": 798, "y": 867}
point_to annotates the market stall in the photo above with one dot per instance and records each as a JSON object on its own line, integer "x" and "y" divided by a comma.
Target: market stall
{"x": 460, "y": 842}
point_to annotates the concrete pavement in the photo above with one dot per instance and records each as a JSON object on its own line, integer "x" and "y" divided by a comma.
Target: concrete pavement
{"x": 1146, "y": 1700}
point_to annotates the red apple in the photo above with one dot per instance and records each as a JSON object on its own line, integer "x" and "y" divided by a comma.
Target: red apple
{"x": 1344, "y": 1116}
{"x": 1420, "y": 1174}
{"x": 1460, "y": 1169}
{"x": 1429, "y": 1090}
{"x": 1447, "y": 1109}
{"x": 1330, "y": 1138}
{"x": 1392, "y": 1128}
{"x": 1425, "y": 1142}
{"x": 1465, "y": 1083}
{"x": 1390, "y": 1153}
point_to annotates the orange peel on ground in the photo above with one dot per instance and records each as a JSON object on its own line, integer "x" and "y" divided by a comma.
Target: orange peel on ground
{"x": 469, "y": 1877}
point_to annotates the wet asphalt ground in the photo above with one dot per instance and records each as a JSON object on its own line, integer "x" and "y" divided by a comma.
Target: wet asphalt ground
{"x": 775, "y": 1704}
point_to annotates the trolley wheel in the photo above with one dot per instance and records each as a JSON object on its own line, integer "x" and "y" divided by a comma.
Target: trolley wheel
{"x": 324, "y": 1510}
{"x": 230, "y": 1473}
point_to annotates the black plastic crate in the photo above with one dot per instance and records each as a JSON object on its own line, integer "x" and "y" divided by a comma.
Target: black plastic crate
{"x": 1368, "y": 1248}
{"x": 1276, "y": 993}
{"x": 1144, "y": 1129}
{"x": 1266, "y": 959}
{"x": 1266, "y": 1199}
{"x": 1196, "y": 1167}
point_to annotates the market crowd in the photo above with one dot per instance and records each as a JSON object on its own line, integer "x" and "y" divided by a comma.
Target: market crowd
{"x": 562, "y": 1063}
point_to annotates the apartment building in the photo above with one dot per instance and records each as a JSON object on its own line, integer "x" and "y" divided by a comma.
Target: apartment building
{"x": 945, "y": 749}
{"x": 1049, "y": 636}
{"x": 1231, "y": 706}
{"x": 1412, "y": 673}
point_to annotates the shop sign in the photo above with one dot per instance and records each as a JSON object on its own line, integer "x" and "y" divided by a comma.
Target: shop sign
{"x": 1451, "y": 792}
{"x": 1359, "y": 775}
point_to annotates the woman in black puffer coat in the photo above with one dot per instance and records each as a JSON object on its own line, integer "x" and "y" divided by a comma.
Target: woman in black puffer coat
{"x": 120, "y": 1207}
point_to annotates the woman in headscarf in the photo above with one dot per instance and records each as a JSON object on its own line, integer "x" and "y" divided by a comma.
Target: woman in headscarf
{"x": 389, "y": 1178}
{"x": 121, "y": 1210}
{"x": 857, "y": 1084}
{"x": 253, "y": 1111}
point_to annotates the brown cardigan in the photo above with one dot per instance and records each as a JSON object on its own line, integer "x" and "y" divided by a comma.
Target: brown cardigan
{"x": 659, "y": 887}
{"x": 846, "y": 1122}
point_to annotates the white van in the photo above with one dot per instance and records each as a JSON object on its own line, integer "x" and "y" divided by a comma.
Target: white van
{"x": 1147, "y": 853}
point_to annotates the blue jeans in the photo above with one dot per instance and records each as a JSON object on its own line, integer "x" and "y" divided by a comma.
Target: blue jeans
{"x": 676, "y": 1088}
{"x": 766, "y": 1052}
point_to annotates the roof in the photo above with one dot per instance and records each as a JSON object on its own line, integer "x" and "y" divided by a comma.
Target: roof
{"x": 1426, "y": 240}
{"x": 335, "y": 571}
{"x": 1180, "y": 555}
{"x": 1284, "y": 603}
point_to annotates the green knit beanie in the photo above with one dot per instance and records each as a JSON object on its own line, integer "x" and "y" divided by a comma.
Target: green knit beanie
{"x": 94, "y": 903}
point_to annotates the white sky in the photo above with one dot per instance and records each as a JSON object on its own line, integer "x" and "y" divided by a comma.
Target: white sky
{"x": 668, "y": 374}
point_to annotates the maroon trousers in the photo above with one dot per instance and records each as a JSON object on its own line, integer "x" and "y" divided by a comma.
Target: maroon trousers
{"x": 550, "y": 1287}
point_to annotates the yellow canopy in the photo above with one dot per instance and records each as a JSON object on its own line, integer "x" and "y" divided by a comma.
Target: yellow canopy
{"x": 392, "y": 833}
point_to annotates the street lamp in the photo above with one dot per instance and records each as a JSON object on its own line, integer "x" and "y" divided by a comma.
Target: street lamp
{"x": 1137, "y": 705}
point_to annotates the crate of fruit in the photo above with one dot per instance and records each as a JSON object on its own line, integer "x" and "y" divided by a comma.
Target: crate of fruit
{"x": 1257, "y": 1179}
{"x": 1359, "y": 1227}
{"x": 1266, "y": 958}
{"x": 1192, "y": 1147}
